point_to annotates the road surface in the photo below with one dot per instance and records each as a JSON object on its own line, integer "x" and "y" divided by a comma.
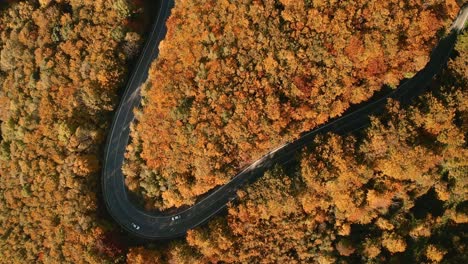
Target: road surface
{"x": 154, "y": 226}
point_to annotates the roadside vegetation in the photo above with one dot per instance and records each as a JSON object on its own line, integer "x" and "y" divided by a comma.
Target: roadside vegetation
{"x": 393, "y": 193}
{"x": 247, "y": 76}
{"x": 61, "y": 64}
{"x": 234, "y": 80}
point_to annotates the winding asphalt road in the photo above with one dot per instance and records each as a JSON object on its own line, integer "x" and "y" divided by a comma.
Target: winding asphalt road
{"x": 154, "y": 226}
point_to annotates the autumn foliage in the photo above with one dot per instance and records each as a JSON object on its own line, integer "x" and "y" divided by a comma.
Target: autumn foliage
{"x": 393, "y": 193}
{"x": 61, "y": 63}
{"x": 235, "y": 79}
{"x": 247, "y": 76}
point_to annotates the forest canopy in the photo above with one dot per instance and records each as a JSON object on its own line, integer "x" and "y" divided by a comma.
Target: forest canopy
{"x": 61, "y": 64}
{"x": 249, "y": 76}
{"x": 393, "y": 193}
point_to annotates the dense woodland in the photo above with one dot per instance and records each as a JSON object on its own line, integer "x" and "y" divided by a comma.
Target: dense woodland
{"x": 61, "y": 64}
{"x": 236, "y": 79}
{"x": 394, "y": 193}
